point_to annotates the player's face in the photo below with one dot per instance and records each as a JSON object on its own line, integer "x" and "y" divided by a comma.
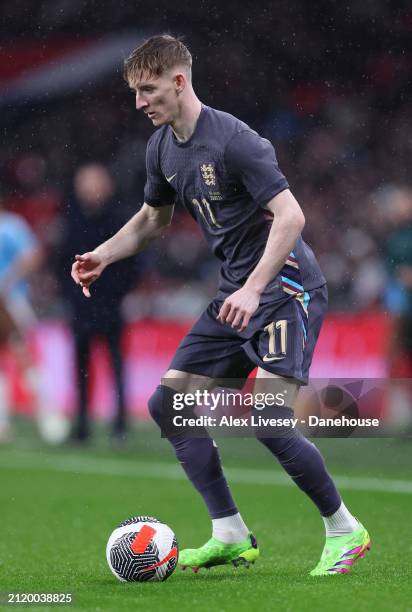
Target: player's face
{"x": 158, "y": 98}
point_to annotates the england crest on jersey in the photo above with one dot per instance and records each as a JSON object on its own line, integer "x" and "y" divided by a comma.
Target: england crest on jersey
{"x": 208, "y": 174}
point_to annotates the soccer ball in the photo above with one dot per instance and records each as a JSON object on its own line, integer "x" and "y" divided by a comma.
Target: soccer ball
{"x": 142, "y": 549}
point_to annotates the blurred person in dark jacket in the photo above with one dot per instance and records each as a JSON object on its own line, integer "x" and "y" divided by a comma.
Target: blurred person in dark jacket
{"x": 90, "y": 218}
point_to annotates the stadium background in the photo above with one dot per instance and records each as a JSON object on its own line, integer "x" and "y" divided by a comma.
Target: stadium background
{"x": 327, "y": 82}
{"x": 327, "y": 86}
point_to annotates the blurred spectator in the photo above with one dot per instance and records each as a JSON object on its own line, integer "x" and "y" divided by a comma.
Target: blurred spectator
{"x": 20, "y": 256}
{"x": 34, "y": 199}
{"x": 93, "y": 215}
{"x": 398, "y": 257}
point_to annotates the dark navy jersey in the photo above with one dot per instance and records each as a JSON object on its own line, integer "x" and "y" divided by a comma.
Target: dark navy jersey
{"x": 224, "y": 175}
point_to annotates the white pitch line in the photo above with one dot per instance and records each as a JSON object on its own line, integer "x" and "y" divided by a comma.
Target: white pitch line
{"x": 147, "y": 469}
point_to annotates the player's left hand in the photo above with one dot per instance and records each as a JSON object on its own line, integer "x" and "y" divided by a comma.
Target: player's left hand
{"x": 238, "y": 308}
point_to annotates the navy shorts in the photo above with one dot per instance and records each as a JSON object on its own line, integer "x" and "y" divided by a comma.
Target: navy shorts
{"x": 280, "y": 338}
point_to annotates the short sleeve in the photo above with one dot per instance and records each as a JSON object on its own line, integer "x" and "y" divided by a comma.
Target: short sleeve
{"x": 22, "y": 237}
{"x": 252, "y": 160}
{"x": 157, "y": 191}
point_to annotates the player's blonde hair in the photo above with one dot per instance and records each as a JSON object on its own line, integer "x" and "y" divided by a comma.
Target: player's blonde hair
{"x": 155, "y": 56}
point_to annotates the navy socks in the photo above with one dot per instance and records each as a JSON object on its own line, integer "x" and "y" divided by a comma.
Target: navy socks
{"x": 200, "y": 459}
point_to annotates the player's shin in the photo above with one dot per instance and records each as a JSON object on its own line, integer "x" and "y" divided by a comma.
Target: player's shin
{"x": 303, "y": 462}
{"x": 198, "y": 457}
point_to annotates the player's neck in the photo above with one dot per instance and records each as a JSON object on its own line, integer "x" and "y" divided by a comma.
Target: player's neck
{"x": 184, "y": 125}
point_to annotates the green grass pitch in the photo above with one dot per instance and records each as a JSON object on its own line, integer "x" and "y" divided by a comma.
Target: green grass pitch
{"x": 59, "y": 506}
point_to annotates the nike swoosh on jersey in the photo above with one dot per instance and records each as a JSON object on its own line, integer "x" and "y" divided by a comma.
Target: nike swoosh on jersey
{"x": 170, "y": 178}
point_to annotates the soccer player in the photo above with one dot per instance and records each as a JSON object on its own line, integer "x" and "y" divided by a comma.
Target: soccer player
{"x": 228, "y": 179}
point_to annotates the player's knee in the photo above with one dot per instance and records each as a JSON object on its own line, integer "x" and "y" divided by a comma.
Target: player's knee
{"x": 155, "y": 405}
{"x": 160, "y": 404}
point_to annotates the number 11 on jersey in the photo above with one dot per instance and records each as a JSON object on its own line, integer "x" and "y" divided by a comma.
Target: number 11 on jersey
{"x": 205, "y": 210}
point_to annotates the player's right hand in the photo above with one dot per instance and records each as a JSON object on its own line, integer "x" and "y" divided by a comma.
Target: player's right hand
{"x": 86, "y": 269}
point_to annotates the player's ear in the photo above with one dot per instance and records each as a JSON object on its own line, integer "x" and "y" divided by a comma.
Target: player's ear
{"x": 180, "y": 82}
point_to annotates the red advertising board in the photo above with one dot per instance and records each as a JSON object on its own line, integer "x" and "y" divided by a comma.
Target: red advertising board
{"x": 350, "y": 345}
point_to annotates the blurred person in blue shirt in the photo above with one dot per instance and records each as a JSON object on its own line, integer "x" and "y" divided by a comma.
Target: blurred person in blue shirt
{"x": 20, "y": 256}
